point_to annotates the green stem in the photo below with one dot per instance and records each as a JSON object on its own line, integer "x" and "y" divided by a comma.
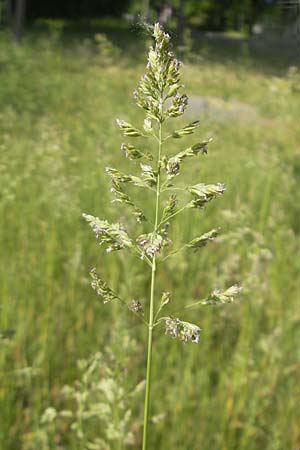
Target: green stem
{"x": 172, "y": 215}
{"x": 151, "y": 310}
{"x": 79, "y": 423}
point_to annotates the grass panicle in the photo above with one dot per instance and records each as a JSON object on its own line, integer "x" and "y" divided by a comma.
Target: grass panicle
{"x": 159, "y": 94}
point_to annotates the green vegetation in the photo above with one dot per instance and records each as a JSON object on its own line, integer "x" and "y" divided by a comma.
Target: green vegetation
{"x": 239, "y": 388}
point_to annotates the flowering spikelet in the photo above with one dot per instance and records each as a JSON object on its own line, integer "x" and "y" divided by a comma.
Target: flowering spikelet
{"x": 132, "y": 152}
{"x": 173, "y": 163}
{"x": 203, "y": 240}
{"x": 222, "y": 297}
{"x": 128, "y": 129}
{"x": 183, "y": 331}
{"x": 178, "y": 107}
{"x": 149, "y": 175}
{"x": 150, "y": 243}
{"x": 188, "y": 129}
{"x": 165, "y": 298}
{"x": 136, "y": 306}
{"x": 161, "y": 80}
{"x": 101, "y": 287}
{"x": 204, "y": 193}
{"x": 112, "y": 235}
{"x": 170, "y": 207}
{"x": 148, "y": 179}
{"x": 122, "y": 197}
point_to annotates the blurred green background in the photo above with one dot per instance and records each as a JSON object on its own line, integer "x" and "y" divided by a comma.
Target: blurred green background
{"x": 61, "y": 87}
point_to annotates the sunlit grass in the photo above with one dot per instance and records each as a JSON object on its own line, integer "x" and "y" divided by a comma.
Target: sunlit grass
{"x": 57, "y": 134}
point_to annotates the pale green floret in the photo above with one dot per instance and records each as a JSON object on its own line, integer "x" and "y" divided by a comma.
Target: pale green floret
{"x": 222, "y": 297}
{"x": 204, "y": 193}
{"x": 148, "y": 126}
{"x": 170, "y": 207}
{"x": 172, "y": 165}
{"x": 118, "y": 176}
{"x": 203, "y": 240}
{"x": 128, "y": 129}
{"x": 148, "y": 177}
{"x": 188, "y": 129}
{"x": 132, "y": 152}
{"x": 165, "y": 298}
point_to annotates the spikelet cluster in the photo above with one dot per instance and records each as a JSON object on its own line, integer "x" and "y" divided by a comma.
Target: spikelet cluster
{"x": 161, "y": 81}
{"x": 184, "y": 331}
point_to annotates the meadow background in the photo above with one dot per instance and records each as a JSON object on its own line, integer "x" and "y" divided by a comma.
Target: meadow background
{"x": 60, "y": 92}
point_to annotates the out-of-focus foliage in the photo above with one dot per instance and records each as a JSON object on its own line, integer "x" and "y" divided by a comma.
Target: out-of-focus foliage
{"x": 228, "y": 14}
{"x": 222, "y": 15}
{"x": 99, "y": 399}
{"x": 207, "y": 14}
{"x": 57, "y": 135}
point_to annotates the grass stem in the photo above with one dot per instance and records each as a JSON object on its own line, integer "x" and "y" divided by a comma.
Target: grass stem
{"x": 151, "y": 310}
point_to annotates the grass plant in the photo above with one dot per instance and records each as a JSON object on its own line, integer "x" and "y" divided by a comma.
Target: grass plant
{"x": 158, "y": 94}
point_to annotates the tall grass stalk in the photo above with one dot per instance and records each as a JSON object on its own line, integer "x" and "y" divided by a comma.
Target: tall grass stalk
{"x": 159, "y": 95}
{"x": 151, "y": 311}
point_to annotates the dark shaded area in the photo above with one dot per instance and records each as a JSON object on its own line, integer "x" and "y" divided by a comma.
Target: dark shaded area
{"x": 203, "y": 15}
{"x": 72, "y": 9}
